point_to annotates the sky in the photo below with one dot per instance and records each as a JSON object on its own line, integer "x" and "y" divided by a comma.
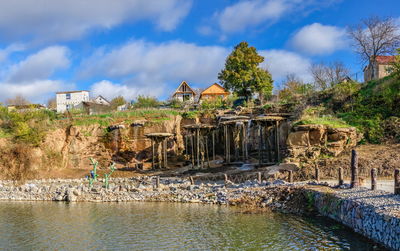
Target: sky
{"x": 147, "y": 47}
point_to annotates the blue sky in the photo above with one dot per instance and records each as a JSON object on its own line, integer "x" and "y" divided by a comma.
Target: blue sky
{"x": 143, "y": 47}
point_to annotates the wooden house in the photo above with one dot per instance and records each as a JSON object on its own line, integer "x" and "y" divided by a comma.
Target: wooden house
{"x": 184, "y": 92}
{"x": 213, "y": 92}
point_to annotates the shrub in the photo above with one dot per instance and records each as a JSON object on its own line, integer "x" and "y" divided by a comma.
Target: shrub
{"x": 146, "y": 102}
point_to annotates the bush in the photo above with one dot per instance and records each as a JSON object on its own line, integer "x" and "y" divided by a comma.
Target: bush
{"x": 146, "y": 102}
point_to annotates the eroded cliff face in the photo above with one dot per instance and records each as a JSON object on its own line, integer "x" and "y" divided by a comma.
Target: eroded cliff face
{"x": 71, "y": 147}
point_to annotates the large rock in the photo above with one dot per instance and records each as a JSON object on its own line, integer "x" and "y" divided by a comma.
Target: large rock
{"x": 299, "y": 138}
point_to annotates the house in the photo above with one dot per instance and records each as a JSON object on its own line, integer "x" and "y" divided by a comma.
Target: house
{"x": 184, "y": 92}
{"x": 70, "y": 100}
{"x": 214, "y": 91}
{"x": 379, "y": 68}
{"x": 101, "y": 100}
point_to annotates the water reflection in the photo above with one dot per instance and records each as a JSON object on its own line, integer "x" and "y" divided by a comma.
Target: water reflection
{"x": 163, "y": 226}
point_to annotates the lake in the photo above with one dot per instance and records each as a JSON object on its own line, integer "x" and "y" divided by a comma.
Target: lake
{"x": 164, "y": 226}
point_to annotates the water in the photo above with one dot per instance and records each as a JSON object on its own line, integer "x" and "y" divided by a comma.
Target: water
{"x": 163, "y": 226}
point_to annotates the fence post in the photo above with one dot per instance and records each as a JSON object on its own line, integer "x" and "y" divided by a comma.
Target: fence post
{"x": 373, "y": 178}
{"x": 290, "y": 176}
{"x": 341, "y": 181}
{"x": 354, "y": 170}
{"x": 226, "y": 178}
{"x": 191, "y": 180}
{"x": 317, "y": 174}
{"x": 397, "y": 181}
{"x": 158, "y": 181}
{"x": 259, "y": 177}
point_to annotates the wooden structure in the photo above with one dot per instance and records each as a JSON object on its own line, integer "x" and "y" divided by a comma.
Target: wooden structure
{"x": 214, "y": 91}
{"x": 184, "y": 92}
{"x": 159, "y": 149}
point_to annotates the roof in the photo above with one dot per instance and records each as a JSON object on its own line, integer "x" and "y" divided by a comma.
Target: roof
{"x": 103, "y": 98}
{"x": 214, "y": 89}
{"x": 385, "y": 59}
{"x": 70, "y": 92}
{"x": 190, "y": 89}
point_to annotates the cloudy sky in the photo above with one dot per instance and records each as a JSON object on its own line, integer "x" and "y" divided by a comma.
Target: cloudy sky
{"x": 142, "y": 47}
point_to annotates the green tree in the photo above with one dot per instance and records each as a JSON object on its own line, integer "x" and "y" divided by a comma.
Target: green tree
{"x": 117, "y": 101}
{"x": 396, "y": 64}
{"x": 242, "y": 73}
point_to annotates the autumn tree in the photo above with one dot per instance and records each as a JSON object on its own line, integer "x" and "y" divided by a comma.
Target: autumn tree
{"x": 242, "y": 73}
{"x": 117, "y": 101}
{"x": 18, "y": 100}
{"x": 373, "y": 37}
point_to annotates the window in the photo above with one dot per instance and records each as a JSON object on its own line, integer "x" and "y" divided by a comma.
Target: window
{"x": 68, "y": 96}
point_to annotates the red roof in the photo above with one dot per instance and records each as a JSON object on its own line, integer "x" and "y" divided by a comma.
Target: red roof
{"x": 385, "y": 59}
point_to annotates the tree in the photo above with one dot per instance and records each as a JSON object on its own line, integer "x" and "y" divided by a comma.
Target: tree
{"x": 242, "y": 74}
{"x": 396, "y": 64}
{"x": 18, "y": 100}
{"x": 294, "y": 89}
{"x": 52, "y": 104}
{"x": 373, "y": 37}
{"x": 117, "y": 101}
{"x": 328, "y": 75}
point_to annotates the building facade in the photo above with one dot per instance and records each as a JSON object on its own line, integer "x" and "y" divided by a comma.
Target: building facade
{"x": 379, "y": 68}
{"x": 214, "y": 91}
{"x": 101, "y": 100}
{"x": 184, "y": 93}
{"x": 70, "y": 100}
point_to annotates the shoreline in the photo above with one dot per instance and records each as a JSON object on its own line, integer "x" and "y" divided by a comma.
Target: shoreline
{"x": 373, "y": 214}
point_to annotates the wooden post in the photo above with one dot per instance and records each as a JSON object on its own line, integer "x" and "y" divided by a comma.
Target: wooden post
{"x": 373, "y": 178}
{"x": 397, "y": 181}
{"x": 341, "y": 181}
{"x": 317, "y": 178}
{"x": 165, "y": 146}
{"x": 277, "y": 147}
{"x": 226, "y": 178}
{"x": 207, "y": 155}
{"x": 290, "y": 176}
{"x": 192, "y": 148}
{"x": 191, "y": 180}
{"x": 354, "y": 170}
{"x": 260, "y": 145}
{"x": 213, "y": 144}
{"x": 153, "y": 157}
{"x": 198, "y": 147}
{"x": 259, "y": 177}
{"x": 158, "y": 181}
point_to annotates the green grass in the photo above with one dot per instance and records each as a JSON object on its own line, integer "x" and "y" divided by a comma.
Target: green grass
{"x": 4, "y": 134}
{"x": 327, "y": 120}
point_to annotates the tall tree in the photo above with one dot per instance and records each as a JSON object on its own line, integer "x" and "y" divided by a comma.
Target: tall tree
{"x": 242, "y": 73}
{"x": 328, "y": 75}
{"x": 18, "y": 100}
{"x": 373, "y": 37}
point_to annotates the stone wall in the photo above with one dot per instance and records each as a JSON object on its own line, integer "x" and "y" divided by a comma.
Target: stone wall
{"x": 374, "y": 214}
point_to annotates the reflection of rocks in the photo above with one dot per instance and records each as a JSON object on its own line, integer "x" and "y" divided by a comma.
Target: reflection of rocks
{"x": 310, "y": 141}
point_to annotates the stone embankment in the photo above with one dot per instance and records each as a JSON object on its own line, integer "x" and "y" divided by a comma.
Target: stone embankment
{"x": 374, "y": 214}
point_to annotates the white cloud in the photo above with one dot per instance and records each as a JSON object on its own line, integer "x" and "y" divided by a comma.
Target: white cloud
{"x": 4, "y": 53}
{"x": 31, "y": 77}
{"x": 245, "y": 14}
{"x": 35, "y": 91}
{"x": 144, "y": 66}
{"x": 280, "y": 63}
{"x": 50, "y": 20}
{"x": 111, "y": 90}
{"x": 318, "y": 39}
{"x": 249, "y": 13}
{"x": 40, "y": 65}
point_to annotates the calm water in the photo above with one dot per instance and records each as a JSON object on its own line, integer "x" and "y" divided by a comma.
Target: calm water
{"x": 163, "y": 226}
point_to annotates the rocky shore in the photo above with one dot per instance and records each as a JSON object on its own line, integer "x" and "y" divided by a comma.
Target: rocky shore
{"x": 374, "y": 214}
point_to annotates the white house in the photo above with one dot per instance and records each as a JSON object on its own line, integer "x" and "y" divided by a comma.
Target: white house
{"x": 69, "y": 100}
{"x": 101, "y": 100}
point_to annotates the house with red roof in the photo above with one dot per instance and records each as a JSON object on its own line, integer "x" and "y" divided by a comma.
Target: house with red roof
{"x": 379, "y": 68}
